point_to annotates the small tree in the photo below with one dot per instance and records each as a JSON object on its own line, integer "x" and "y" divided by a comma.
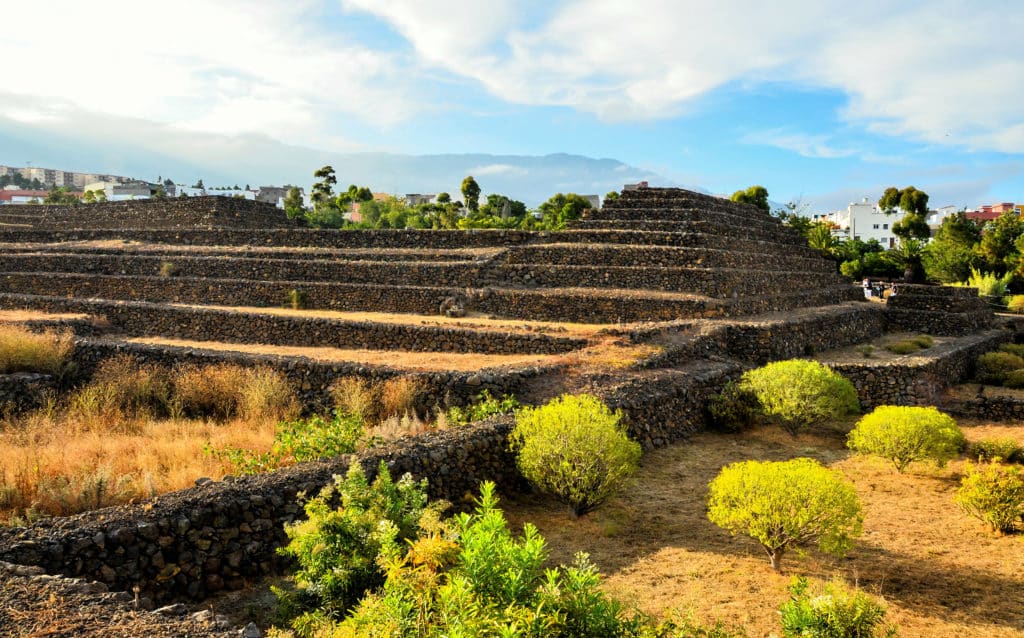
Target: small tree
{"x": 800, "y": 393}
{"x": 994, "y": 495}
{"x": 786, "y": 504}
{"x": 293, "y": 204}
{"x": 754, "y": 195}
{"x": 575, "y": 448}
{"x": 903, "y": 434}
{"x": 471, "y": 193}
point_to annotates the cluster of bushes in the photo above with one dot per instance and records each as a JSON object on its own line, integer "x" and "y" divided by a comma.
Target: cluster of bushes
{"x": 1003, "y": 367}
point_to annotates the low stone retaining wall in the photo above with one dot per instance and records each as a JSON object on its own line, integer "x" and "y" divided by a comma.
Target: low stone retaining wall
{"x": 921, "y": 379}
{"x": 405, "y": 273}
{"x": 183, "y": 212}
{"x": 24, "y": 391}
{"x": 655, "y": 256}
{"x": 938, "y": 310}
{"x": 803, "y": 335}
{"x": 208, "y": 324}
{"x": 428, "y": 239}
{"x": 998, "y": 408}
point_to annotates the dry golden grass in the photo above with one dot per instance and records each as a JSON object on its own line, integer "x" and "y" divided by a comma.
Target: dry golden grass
{"x": 376, "y": 403}
{"x": 398, "y": 396}
{"x": 14, "y": 316}
{"x": 940, "y": 571}
{"x": 22, "y": 350}
{"x": 62, "y": 465}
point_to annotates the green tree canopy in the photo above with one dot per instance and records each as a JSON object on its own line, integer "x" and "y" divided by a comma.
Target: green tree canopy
{"x": 754, "y": 195}
{"x": 293, "y": 204}
{"x": 907, "y": 199}
{"x": 471, "y": 193}
{"x": 998, "y": 247}
{"x": 562, "y": 208}
{"x": 951, "y": 254}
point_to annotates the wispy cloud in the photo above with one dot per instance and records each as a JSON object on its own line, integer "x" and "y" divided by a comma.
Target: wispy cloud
{"x": 817, "y": 146}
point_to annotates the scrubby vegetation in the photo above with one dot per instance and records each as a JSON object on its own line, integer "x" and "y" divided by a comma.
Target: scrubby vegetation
{"x": 1005, "y": 449}
{"x": 993, "y": 494}
{"x": 910, "y": 346}
{"x": 995, "y": 367}
{"x": 834, "y": 611}
{"x": 799, "y": 393}
{"x": 483, "y": 407}
{"x": 734, "y": 408}
{"x": 786, "y": 505}
{"x": 904, "y": 435}
{"x": 575, "y": 448}
{"x": 338, "y": 549}
{"x": 22, "y": 350}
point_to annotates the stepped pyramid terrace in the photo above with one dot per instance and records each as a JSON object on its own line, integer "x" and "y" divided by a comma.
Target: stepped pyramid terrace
{"x": 653, "y": 302}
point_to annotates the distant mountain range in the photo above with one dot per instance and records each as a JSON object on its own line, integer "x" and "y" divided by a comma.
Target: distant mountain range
{"x": 185, "y": 157}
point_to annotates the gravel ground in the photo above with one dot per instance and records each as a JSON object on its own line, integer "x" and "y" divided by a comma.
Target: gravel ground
{"x": 33, "y": 604}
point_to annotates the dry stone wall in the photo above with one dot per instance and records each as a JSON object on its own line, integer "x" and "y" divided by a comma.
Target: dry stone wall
{"x": 918, "y": 380}
{"x": 306, "y": 237}
{"x": 938, "y": 310}
{"x": 187, "y": 212}
{"x": 206, "y": 324}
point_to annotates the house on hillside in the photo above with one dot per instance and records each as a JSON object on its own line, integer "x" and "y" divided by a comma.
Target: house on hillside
{"x": 14, "y": 196}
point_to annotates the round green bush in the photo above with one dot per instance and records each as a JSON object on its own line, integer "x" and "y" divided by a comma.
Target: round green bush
{"x": 904, "y": 434}
{"x": 994, "y": 495}
{"x": 575, "y": 448}
{"x": 786, "y": 504}
{"x": 993, "y": 367}
{"x": 1014, "y": 379}
{"x": 800, "y": 393}
{"x": 1015, "y": 304}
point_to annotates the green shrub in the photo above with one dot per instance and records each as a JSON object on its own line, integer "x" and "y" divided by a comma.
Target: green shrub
{"x": 733, "y": 409}
{"x": 297, "y": 441}
{"x": 994, "y": 495}
{"x": 1005, "y": 449}
{"x": 471, "y": 577}
{"x": 988, "y": 284}
{"x": 834, "y": 612}
{"x": 904, "y": 434}
{"x": 903, "y": 347}
{"x": 679, "y": 625}
{"x": 337, "y": 549}
{"x": 785, "y": 505}
{"x": 1014, "y": 379}
{"x": 575, "y": 448}
{"x": 1013, "y": 348}
{"x": 924, "y": 341}
{"x": 993, "y": 367}
{"x": 800, "y": 393}
{"x": 168, "y": 269}
{"x": 296, "y": 299}
{"x": 483, "y": 407}
{"x": 866, "y": 351}
{"x": 1015, "y": 304}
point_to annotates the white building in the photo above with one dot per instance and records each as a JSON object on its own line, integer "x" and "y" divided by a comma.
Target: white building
{"x": 865, "y": 221}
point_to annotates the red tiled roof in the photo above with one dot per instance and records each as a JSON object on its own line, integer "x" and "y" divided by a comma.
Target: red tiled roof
{"x": 9, "y": 195}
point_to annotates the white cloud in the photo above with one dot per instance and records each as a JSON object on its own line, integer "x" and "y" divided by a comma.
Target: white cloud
{"x": 227, "y": 66}
{"x": 497, "y": 169}
{"x": 931, "y": 69}
{"x": 817, "y": 146}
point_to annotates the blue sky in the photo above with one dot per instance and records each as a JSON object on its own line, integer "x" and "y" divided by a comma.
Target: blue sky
{"x": 820, "y": 101}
